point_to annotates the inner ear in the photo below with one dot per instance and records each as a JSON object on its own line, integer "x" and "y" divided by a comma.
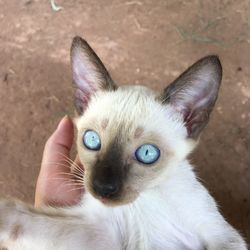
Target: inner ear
{"x": 89, "y": 73}
{"x": 194, "y": 93}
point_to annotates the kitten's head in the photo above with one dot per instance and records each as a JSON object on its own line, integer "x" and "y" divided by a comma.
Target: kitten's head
{"x": 130, "y": 137}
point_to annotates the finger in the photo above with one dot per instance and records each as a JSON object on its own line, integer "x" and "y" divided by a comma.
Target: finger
{"x": 54, "y": 186}
{"x": 58, "y": 146}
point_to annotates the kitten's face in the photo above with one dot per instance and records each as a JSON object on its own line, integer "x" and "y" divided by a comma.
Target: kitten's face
{"x": 124, "y": 120}
{"x": 129, "y": 138}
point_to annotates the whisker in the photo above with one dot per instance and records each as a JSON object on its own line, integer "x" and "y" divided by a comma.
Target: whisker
{"x": 73, "y": 165}
{"x": 75, "y": 184}
{"x": 71, "y": 174}
{"x": 74, "y": 189}
{"x": 70, "y": 161}
{"x": 75, "y": 176}
{"x": 80, "y": 170}
{"x": 69, "y": 182}
{"x": 67, "y": 159}
{"x": 57, "y": 163}
{"x": 77, "y": 168}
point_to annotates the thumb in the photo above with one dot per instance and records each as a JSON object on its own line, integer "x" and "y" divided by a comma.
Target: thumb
{"x": 53, "y": 185}
{"x": 58, "y": 146}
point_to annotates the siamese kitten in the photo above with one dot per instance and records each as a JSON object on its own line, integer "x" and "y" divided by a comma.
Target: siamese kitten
{"x": 141, "y": 191}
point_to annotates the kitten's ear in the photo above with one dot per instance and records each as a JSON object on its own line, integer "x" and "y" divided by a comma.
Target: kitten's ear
{"x": 194, "y": 93}
{"x": 89, "y": 73}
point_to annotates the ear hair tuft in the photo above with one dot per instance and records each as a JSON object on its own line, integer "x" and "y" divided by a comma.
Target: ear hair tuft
{"x": 194, "y": 93}
{"x": 89, "y": 73}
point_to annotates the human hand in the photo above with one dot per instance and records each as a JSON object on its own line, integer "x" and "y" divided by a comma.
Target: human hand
{"x": 56, "y": 184}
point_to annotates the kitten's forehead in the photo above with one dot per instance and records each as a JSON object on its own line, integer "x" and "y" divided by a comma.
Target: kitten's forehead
{"x": 129, "y": 100}
{"x": 125, "y": 107}
{"x": 134, "y": 111}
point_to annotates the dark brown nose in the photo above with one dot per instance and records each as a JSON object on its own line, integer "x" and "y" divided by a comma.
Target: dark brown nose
{"x": 105, "y": 189}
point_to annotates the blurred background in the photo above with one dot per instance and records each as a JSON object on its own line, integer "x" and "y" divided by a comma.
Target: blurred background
{"x": 141, "y": 42}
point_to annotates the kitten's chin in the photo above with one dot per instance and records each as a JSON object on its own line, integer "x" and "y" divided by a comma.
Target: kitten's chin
{"x": 117, "y": 200}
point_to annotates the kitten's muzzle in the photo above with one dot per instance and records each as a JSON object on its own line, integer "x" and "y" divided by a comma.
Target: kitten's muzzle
{"x": 105, "y": 190}
{"x": 108, "y": 173}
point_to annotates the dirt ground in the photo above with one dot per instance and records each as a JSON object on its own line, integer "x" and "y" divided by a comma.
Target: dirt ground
{"x": 148, "y": 42}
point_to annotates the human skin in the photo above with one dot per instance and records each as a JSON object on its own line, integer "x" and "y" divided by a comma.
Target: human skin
{"x": 55, "y": 185}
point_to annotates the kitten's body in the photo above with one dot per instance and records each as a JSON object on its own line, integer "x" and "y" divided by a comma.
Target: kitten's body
{"x": 159, "y": 206}
{"x": 170, "y": 216}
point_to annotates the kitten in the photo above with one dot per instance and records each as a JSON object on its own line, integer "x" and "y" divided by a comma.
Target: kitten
{"x": 141, "y": 191}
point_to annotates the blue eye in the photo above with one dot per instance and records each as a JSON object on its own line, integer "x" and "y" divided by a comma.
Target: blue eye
{"x": 91, "y": 140}
{"x": 147, "y": 153}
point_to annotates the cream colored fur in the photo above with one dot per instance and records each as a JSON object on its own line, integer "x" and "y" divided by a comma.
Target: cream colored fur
{"x": 164, "y": 206}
